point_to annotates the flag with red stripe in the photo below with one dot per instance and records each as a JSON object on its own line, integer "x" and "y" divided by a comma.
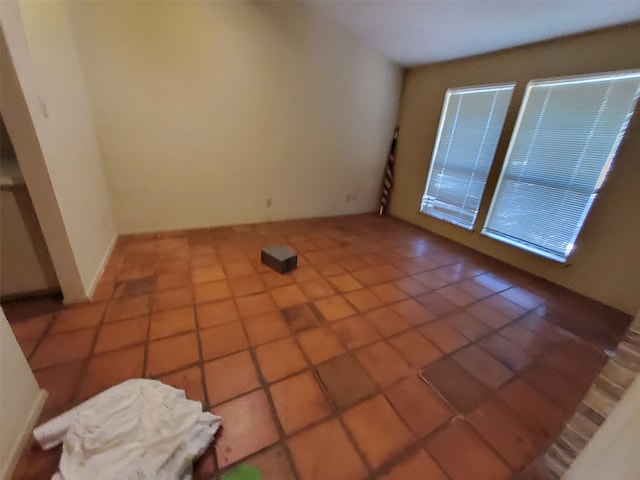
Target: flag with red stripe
{"x": 387, "y": 180}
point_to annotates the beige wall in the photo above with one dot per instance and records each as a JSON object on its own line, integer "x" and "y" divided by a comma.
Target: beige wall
{"x": 204, "y": 110}
{"x": 606, "y": 263}
{"x": 25, "y": 264}
{"x": 47, "y": 113}
{"x": 20, "y": 398}
{"x": 19, "y": 97}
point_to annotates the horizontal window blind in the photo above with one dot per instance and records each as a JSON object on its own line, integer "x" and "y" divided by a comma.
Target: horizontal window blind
{"x": 564, "y": 142}
{"x": 470, "y": 126}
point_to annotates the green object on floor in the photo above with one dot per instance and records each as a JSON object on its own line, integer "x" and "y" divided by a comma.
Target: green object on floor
{"x": 243, "y": 472}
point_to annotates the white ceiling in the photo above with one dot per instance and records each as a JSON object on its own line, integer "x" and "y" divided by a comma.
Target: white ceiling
{"x": 416, "y": 32}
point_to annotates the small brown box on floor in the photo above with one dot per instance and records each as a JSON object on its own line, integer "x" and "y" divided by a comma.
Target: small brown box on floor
{"x": 280, "y": 259}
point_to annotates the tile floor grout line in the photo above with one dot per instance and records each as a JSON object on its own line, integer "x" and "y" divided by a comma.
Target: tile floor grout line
{"x": 441, "y": 428}
{"x": 84, "y": 371}
{"x": 43, "y": 334}
{"x": 339, "y": 413}
{"x": 522, "y": 377}
{"x": 500, "y": 455}
{"x": 147, "y": 343}
{"x": 203, "y": 380}
{"x": 151, "y": 312}
{"x": 201, "y": 361}
{"x": 383, "y": 338}
{"x": 270, "y": 402}
{"x": 361, "y": 313}
{"x": 392, "y": 259}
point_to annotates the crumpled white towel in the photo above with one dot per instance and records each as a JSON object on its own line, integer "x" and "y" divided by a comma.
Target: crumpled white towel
{"x": 139, "y": 429}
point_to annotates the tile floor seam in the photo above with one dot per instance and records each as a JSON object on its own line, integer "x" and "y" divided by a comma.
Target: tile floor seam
{"x": 440, "y": 394}
{"x": 158, "y": 376}
{"x": 523, "y": 378}
{"x": 274, "y": 417}
{"x": 495, "y": 450}
{"x": 380, "y": 391}
{"x": 547, "y": 440}
{"x": 338, "y": 412}
{"x": 274, "y": 414}
{"x": 462, "y": 418}
{"x": 357, "y": 314}
{"x": 237, "y": 245}
{"x": 44, "y": 334}
{"x": 145, "y": 359}
{"x": 414, "y": 329}
{"x": 219, "y": 472}
{"x": 445, "y": 426}
{"x": 335, "y": 413}
{"x": 400, "y": 458}
{"x": 201, "y": 362}
{"x": 371, "y": 470}
{"x": 141, "y": 343}
{"x": 436, "y": 392}
{"x": 87, "y": 361}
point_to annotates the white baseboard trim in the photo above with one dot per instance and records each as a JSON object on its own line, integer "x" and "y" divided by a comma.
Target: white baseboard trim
{"x": 100, "y": 271}
{"x": 25, "y": 435}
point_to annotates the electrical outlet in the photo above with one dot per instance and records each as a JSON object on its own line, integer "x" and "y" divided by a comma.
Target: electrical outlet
{"x": 268, "y": 203}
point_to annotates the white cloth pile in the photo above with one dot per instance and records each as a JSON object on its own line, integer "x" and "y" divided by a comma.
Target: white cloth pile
{"x": 139, "y": 429}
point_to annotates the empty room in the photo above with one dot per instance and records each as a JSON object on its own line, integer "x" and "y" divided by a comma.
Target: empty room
{"x": 320, "y": 240}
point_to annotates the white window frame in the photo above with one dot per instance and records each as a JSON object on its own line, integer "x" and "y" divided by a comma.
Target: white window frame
{"x": 589, "y": 78}
{"x": 443, "y": 116}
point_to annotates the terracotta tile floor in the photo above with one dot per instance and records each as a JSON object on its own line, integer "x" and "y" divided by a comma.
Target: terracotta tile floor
{"x": 389, "y": 353}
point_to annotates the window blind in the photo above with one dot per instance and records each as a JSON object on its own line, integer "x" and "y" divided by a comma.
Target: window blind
{"x": 564, "y": 141}
{"x": 470, "y": 126}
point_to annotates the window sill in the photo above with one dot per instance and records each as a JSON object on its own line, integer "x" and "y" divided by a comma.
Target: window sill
{"x": 446, "y": 220}
{"x": 564, "y": 261}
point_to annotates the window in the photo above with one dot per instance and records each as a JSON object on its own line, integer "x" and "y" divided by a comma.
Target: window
{"x": 564, "y": 141}
{"x": 468, "y": 134}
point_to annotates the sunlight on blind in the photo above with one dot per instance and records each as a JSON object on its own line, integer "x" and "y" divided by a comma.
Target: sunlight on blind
{"x": 566, "y": 136}
{"x": 470, "y": 126}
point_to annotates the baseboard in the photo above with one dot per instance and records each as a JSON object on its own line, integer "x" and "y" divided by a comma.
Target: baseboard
{"x": 100, "y": 271}
{"x": 25, "y": 435}
{"x": 45, "y": 292}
